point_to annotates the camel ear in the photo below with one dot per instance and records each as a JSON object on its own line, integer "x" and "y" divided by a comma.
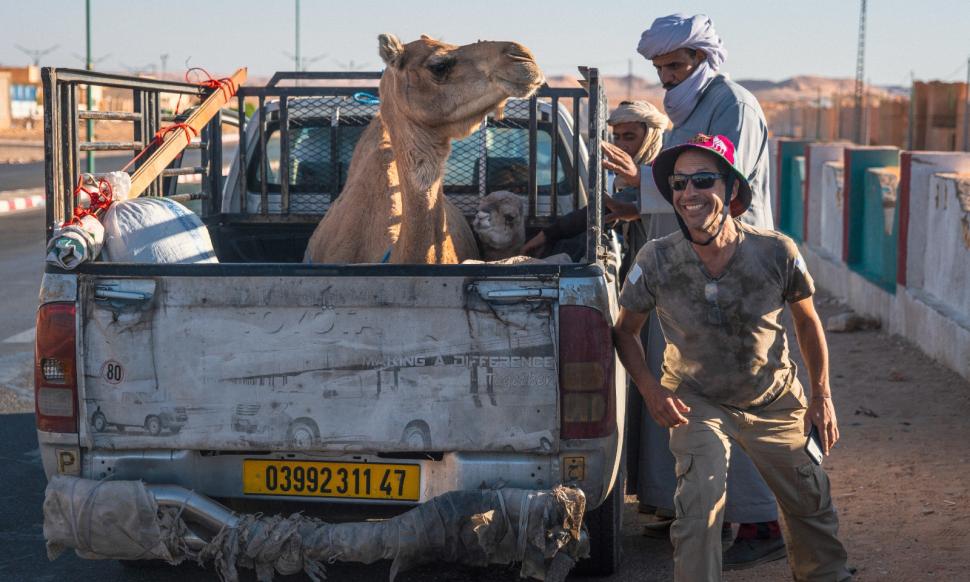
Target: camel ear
{"x": 426, "y": 37}
{"x": 391, "y": 49}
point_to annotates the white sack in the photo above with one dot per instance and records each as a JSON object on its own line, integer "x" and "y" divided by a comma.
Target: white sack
{"x": 155, "y": 230}
{"x": 120, "y": 185}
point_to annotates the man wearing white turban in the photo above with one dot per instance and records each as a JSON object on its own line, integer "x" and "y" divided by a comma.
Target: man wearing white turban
{"x": 688, "y": 54}
{"x": 638, "y": 128}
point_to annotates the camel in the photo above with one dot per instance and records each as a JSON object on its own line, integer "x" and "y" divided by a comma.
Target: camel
{"x": 392, "y": 208}
{"x": 500, "y": 225}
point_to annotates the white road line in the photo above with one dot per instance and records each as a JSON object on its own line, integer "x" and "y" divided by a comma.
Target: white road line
{"x": 24, "y": 337}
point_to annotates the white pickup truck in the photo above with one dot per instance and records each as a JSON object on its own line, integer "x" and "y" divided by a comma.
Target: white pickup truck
{"x": 261, "y": 382}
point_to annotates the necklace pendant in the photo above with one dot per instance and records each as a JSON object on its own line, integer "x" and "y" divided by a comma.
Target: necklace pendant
{"x": 710, "y": 292}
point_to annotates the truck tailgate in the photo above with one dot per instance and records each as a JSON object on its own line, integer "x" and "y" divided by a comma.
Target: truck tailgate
{"x": 323, "y": 363}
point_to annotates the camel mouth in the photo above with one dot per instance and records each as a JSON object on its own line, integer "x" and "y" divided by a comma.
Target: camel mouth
{"x": 521, "y": 77}
{"x": 523, "y": 86}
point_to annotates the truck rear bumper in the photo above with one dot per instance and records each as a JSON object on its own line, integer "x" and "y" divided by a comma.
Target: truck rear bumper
{"x": 219, "y": 474}
{"x": 129, "y": 520}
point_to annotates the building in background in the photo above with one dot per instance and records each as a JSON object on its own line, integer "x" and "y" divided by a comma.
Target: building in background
{"x": 23, "y": 96}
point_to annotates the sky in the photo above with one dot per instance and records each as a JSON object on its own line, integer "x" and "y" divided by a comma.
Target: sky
{"x": 765, "y": 39}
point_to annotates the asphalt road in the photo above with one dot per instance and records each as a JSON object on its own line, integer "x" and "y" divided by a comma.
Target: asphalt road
{"x": 31, "y": 175}
{"x": 21, "y": 269}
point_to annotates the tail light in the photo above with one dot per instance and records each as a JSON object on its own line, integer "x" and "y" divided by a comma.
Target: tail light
{"x": 586, "y": 373}
{"x": 55, "y": 370}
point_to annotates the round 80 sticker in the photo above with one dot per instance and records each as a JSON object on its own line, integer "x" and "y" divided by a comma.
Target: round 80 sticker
{"x": 112, "y": 372}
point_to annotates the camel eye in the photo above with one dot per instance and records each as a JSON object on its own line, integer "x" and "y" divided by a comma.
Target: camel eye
{"x": 440, "y": 68}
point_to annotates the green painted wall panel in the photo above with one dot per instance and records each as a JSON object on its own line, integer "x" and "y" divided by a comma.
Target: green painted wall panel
{"x": 880, "y": 226}
{"x": 788, "y": 194}
{"x": 858, "y": 162}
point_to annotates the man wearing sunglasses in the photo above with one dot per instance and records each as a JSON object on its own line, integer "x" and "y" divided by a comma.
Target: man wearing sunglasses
{"x": 719, "y": 287}
{"x": 688, "y": 55}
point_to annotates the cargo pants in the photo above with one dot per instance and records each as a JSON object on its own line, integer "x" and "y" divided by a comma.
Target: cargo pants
{"x": 774, "y": 438}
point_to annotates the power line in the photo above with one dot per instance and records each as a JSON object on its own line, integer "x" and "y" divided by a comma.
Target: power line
{"x": 955, "y": 72}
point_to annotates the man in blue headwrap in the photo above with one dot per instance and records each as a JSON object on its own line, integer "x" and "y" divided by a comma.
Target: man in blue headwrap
{"x": 688, "y": 54}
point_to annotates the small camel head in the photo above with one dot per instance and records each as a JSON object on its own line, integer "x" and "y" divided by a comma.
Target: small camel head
{"x": 500, "y": 225}
{"x": 449, "y": 89}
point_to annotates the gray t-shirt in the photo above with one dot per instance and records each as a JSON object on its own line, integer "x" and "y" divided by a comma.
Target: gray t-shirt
{"x": 725, "y": 338}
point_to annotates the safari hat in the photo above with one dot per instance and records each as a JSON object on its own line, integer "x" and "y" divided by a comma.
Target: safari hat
{"x": 720, "y": 146}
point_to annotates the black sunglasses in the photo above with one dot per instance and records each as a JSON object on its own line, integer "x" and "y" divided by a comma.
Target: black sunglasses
{"x": 700, "y": 180}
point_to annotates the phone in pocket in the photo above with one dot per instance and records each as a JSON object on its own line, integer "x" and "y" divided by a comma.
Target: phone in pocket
{"x": 813, "y": 448}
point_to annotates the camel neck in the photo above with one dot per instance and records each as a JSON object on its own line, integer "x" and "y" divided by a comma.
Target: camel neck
{"x": 420, "y": 159}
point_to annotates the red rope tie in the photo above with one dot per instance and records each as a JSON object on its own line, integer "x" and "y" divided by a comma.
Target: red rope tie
{"x": 187, "y": 129}
{"x": 101, "y": 198}
{"x": 225, "y": 84}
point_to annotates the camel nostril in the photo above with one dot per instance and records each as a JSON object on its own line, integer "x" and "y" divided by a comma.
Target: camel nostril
{"x": 518, "y": 52}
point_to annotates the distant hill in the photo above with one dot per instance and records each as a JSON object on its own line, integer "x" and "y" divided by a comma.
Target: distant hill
{"x": 803, "y": 88}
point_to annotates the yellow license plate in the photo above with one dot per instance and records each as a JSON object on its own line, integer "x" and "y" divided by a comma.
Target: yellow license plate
{"x": 328, "y": 479}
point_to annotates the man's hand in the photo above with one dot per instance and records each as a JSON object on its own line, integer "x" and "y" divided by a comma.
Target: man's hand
{"x": 620, "y": 163}
{"x": 664, "y": 407}
{"x": 821, "y": 413}
{"x": 535, "y": 246}
{"x": 620, "y": 211}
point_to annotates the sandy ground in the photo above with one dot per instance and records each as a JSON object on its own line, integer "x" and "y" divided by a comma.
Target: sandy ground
{"x": 900, "y": 476}
{"x": 13, "y": 154}
{"x": 31, "y": 149}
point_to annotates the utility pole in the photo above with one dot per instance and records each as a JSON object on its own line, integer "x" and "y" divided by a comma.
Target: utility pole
{"x": 966, "y": 113}
{"x": 860, "y": 74}
{"x": 911, "y": 133}
{"x": 629, "y": 79}
{"x": 818, "y": 114}
{"x": 296, "y": 55}
{"x": 164, "y": 59}
{"x": 36, "y": 54}
{"x": 90, "y": 98}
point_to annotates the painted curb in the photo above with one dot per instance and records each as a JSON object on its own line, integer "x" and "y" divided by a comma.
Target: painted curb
{"x": 21, "y": 203}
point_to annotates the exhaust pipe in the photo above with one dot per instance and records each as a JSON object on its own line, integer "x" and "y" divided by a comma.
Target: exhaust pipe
{"x": 210, "y": 514}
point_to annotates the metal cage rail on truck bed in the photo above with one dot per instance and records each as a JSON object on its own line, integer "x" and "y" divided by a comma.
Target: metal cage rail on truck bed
{"x": 63, "y": 146}
{"x": 340, "y": 109}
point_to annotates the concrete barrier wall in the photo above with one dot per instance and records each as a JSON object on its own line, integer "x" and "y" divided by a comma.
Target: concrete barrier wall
{"x": 914, "y": 220}
{"x": 916, "y": 171}
{"x": 831, "y": 212}
{"x": 857, "y": 161}
{"x": 788, "y": 213}
{"x": 948, "y": 241}
{"x": 816, "y": 156}
{"x": 879, "y": 223}
{"x": 794, "y": 199}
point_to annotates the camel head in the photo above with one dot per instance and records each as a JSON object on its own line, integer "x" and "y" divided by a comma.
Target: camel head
{"x": 448, "y": 89}
{"x": 500, "y": 225}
